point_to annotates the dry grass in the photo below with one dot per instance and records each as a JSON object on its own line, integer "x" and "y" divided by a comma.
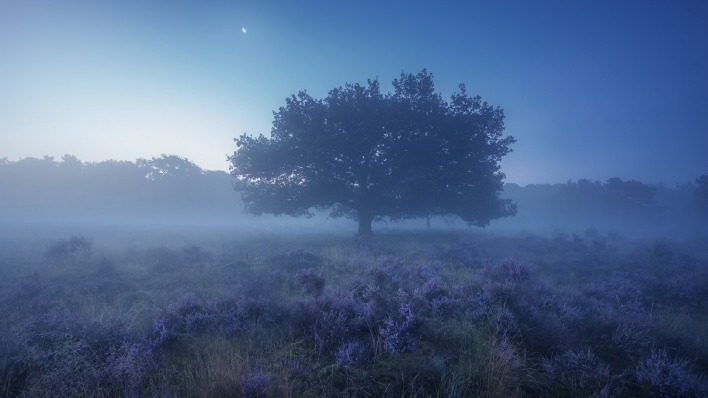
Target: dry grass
{"x": 214, "y": 366}
{"x": 689, "y": 329}
{"x": 503, "y": 369}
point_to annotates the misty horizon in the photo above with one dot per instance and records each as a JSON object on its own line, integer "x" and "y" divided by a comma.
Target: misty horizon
{"x": 170, "y": 190}
{"x": 688, "y": 179}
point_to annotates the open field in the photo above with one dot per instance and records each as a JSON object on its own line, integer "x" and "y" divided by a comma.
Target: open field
{"x": 416, "y": 314}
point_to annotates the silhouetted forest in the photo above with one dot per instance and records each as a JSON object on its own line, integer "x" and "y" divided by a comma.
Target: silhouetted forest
{"x": 163, "y": 190}
{"x": 170, "y": 190}
{"x": 627, "y": 207}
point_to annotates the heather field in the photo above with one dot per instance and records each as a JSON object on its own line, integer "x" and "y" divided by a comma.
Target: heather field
{"x": 434, "y": 314}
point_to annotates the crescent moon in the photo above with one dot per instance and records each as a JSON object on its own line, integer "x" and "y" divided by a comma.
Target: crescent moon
{"x": 243, "y": 29}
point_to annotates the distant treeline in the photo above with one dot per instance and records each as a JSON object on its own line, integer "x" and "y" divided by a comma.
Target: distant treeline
{"x": 172, "y": 190}
{"x": 628, "y": 207}
{"x": 167, "y": 190}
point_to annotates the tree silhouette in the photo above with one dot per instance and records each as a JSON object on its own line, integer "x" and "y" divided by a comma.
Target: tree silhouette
{"x": 701, "y": 192}
{"x": 629, "y": 195}
{"x": 166, "y": 189}
{"x": 365, "y": 154}
{"x": 168, "y": 166}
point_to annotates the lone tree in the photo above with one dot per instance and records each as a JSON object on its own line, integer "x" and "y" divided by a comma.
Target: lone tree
{"x": 364, "y": 154}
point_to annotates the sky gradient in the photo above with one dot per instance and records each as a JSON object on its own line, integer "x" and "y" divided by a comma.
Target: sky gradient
{"x": 592, "y": 89}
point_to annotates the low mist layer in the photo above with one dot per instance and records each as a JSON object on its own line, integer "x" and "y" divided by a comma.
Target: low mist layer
{"x": 172, "y": 191}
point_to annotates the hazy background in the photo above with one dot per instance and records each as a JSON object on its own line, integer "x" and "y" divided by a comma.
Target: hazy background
{"x": 594, "y": 89}
{"x": 172, "y": 194}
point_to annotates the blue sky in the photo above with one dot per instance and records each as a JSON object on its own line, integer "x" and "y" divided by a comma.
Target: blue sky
{"x": 591, "y": 89}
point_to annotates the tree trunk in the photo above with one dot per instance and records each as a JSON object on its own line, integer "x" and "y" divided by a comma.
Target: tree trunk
{"x": 365, "y": 220}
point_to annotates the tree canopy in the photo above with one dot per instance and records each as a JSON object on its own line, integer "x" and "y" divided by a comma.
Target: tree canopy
{"x": 365, "y": 154}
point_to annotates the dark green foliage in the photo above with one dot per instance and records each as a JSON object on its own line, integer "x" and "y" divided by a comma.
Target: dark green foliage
{"x": 365, "y": 154}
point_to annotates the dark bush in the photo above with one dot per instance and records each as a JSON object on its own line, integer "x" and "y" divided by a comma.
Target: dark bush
{"x": 22, "y": 289}
{"x": 298, "y": 258}
{"x": 195, "y": 255}
{"x": 75, "y": 250}
{"x": 311, "y": 281}
{"x": 254, "y": 385}
{"x": 65, "y": 356}
{"x": 332, "y": 320}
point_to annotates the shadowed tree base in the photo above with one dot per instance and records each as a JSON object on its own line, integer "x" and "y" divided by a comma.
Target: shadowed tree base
{"x": 365, "y": 225}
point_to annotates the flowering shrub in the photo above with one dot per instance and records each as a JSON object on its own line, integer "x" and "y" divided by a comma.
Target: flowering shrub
{"x": 397, "y": 331}
{"x": 65, "y": 356}
{"x": 254, "y": 385}
{"x": 131, "y": 363}
{"x": 507, "y": 270}
{"x": 311, "y": 281}
{"x": 191, "y": 315}
{"x": 437, "y": 298}
{"x": 331, "y": 320}
{"x": 442, "y": 322}
{"x": 388, "y": 274}
{"x": 479, "y": 305}
{"x": 351, "y": 353}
